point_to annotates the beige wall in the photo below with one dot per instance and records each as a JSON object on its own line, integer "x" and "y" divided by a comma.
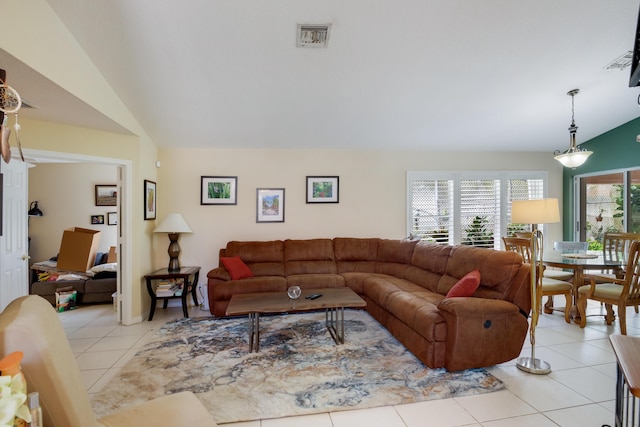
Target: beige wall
{"x": 372, "y": 193}
{"x": 65, "y": 193}
{"x": 50, "y": 49}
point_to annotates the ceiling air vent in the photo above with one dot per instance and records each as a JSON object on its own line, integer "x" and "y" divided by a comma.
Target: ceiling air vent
{"x": 313, "y": 35}
{"x": 621, "y": 62}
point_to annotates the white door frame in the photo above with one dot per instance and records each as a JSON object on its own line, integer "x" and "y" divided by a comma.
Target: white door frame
{"x": 125, "y": 260}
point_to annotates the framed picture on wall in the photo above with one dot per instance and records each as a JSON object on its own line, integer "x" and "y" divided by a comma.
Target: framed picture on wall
{"x": 149, "y": 199}
{"x": 323, "y": 189}
{"x": 270, "y": 205}
{"x": 219, "y": 190}
{"x": 97, "y": 219}
{"x": 106, "y": 195}
{"x": 112, "y": 218}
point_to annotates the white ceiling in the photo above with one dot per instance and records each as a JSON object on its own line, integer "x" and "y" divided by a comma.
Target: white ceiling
{"x": 407, "y": 74}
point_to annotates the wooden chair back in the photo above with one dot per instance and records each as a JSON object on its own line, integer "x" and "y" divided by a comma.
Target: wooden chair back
{"x": 632, "y": 274}
{"x": 519, "y": 245}
{"x": 525, "y": 234}
{"x": 616, "y": 246}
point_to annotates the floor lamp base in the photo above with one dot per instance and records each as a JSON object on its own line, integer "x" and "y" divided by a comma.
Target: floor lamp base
{"x": 533, "y": 366}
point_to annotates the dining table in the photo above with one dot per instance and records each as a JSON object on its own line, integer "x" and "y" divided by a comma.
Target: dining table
{"x": 579, "y": 263}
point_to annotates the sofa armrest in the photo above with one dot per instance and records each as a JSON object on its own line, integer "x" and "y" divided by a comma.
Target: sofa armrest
{"x": 481, "y": 331}
{"x": 472, "y": 306}
{"x": 219, "y": 273}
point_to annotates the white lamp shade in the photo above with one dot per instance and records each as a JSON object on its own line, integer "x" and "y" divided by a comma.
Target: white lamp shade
{"x": 173, "y": 223}
{"x": 573, "y": 159}
{"x": 541, "y": 211}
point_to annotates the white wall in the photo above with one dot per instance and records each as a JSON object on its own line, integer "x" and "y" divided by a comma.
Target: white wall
{"x": 65, "y": 193}
{"x": 372, "y": 193}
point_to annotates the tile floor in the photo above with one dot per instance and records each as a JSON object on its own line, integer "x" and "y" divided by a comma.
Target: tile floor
{"x": 578, "y": 392}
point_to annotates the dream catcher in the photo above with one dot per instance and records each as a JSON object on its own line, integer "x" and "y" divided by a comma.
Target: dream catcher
{"x": 10, "y": 103}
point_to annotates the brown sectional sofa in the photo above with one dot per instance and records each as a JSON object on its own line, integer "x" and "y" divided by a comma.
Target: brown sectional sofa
{"x": 404, "y": 283}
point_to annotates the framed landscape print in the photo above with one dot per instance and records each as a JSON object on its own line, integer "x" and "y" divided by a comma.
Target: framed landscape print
{"x": 323, "y": 189}
{"x": 219, "y": 190}
{"x": 106, "y": 195}
{"x": 149, "y": 199}
{"x": 270, "y": 205}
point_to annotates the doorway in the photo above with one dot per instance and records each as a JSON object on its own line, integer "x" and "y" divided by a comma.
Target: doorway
{"x": 124, "y": 308}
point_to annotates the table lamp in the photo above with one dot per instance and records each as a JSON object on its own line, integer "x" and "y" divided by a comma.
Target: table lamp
{"x": 534, "y": 212}
{"x": 174, "y": 224}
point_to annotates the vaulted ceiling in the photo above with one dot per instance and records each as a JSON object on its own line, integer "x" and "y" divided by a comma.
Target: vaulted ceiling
{"x": 409, "y": 74}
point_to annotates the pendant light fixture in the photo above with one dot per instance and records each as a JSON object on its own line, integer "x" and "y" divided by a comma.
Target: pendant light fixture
{"x": 573, "y": 157}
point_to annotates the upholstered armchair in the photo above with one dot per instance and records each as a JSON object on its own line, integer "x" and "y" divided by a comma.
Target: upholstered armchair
{"x": 31, "y": 325}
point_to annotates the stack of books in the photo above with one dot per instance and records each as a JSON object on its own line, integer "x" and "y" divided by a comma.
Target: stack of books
{"x": 164, "y": 289}
{"x": 169, "y": 288}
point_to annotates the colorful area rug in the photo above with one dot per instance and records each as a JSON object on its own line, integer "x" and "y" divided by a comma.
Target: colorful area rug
{"x": 299, "y": 369}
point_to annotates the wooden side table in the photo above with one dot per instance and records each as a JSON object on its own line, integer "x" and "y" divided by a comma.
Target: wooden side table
{"x": 189, "y": 286}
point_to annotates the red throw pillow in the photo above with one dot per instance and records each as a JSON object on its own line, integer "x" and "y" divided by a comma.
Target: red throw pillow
{"x": 466, "y": 286}
{"x": 236, "y": 267}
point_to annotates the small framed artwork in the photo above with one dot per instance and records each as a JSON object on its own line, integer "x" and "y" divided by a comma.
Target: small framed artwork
{"x": 149, "y": 199}
{"x": 270, "y": 205}
{"x": 97, "y": 219}
{"x": 112, "y": 218}
{"x": 323, "y": 189}
{"x": 106, "y": 195}
{"x": 219, "y": 190}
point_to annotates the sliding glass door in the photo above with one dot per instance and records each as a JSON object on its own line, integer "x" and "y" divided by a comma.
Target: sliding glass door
{"x": 608, "y": 202}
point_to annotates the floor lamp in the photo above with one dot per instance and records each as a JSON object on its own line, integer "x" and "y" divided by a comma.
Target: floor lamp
{"x": 534, "y": 212}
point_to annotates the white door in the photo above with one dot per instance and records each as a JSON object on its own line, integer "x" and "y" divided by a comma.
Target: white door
{"x": 14, "y": 245}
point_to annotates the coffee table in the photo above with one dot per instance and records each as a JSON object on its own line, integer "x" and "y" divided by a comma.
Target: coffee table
{"x": 333, "y": 300}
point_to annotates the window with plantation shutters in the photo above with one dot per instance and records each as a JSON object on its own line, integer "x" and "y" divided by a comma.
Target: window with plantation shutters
{"x": 468, "y": 208}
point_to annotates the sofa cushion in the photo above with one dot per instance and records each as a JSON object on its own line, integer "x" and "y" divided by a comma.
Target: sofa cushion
{"x": 420, "y": 314}
{"x": 428, "y": 264}
{"x": 355, "y": 254}
{"x": 236, "y": 267}
{"x": 355, "y": 280}
{"x": 263, "y": 258}
{"x": 394, "y": 256}
{"x": 314, "y": 256}
{"x": 466, "y": 286}
{"x": 431, "y": 256}
{"x": 396, "y": 251}
{"x": 311, "y": 281}
{"x": 219, "y": 290}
